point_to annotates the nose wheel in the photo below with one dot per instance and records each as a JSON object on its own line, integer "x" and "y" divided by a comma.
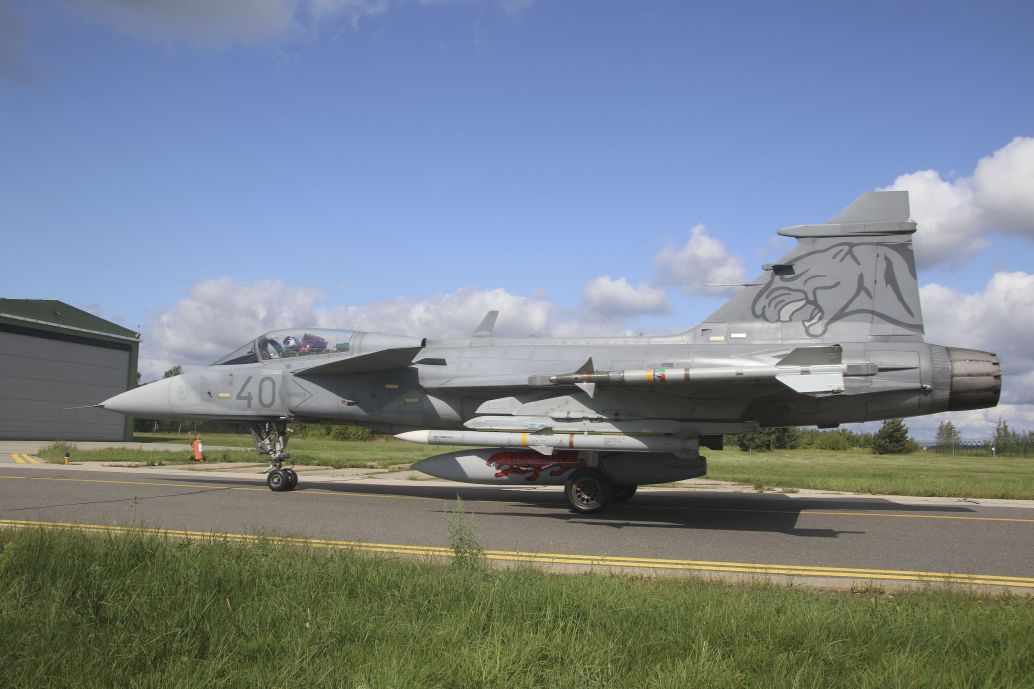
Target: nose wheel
{"x": 271, "y": 439}
{"x": 280, "y": 480}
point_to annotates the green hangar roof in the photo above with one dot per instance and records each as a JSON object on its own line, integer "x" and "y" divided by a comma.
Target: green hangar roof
{"x": 56, "y": 316}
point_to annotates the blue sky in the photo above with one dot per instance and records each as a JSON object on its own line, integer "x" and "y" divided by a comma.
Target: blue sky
{"x": 223, "y": 167}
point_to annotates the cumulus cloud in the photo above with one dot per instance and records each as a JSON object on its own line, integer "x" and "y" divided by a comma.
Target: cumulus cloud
{"x": 446, "y": 315}
{"x": 199, "y": 21}
{"x": 610, "y": 298}
{"x": 246, "y": 22}
{"x": 998, "y": 319}
{"x": 219, "y": 315}
{"x": 702, "y": 265}
{"x": 956, "y": 217}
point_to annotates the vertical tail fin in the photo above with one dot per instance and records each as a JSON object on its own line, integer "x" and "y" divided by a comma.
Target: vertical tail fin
{"x": 848, "y": 279}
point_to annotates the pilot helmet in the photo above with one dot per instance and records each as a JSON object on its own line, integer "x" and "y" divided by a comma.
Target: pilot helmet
{"x": 289, "y": 341}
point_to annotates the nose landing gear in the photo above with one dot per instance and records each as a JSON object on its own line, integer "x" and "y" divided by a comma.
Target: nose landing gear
{"x": 271, "y": 439}
{"x": 280, "y": 480}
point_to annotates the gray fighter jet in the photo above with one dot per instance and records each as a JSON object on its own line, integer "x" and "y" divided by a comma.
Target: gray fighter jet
{"x": 832, "y": 333}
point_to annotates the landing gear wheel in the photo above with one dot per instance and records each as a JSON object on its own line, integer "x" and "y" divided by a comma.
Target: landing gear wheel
{"x": 623, "y": 493}
{"x": 292, "y": 478}
{"x": 587, "y": 491}
{"x": 277, "y": 481}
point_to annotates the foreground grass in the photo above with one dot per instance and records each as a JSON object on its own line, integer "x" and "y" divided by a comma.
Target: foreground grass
{"x": 923, "y": 474}
{"x": 124, "y": 611}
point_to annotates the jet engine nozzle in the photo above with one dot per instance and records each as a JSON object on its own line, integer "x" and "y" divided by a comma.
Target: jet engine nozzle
{"x": 976, "y": 379}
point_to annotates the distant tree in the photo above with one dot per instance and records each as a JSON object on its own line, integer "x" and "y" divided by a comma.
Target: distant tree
{"x": 1005, "y": 439}
{"x": 833, "y": 440}
{"x": 892, "y": 439}
{"x": 770, "y": 439}
{"x": 173, "y": 372}
{"x": 947, "y": 436}
{"x": 755, "y": 442}
{"x": 786, "y": 438}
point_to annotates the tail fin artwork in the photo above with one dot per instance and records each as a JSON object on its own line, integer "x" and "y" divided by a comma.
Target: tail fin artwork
{"x": 853, "y": 278}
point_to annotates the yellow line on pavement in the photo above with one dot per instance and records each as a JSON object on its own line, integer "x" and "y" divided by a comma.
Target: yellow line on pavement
{"x": 560, "y": 558}
{"x": 18, "y": 459}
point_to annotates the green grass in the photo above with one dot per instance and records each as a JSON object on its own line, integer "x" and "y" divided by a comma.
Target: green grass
{"x": 922, "y": 474}
{"x": 56, "y": 453}
{"x": 139, "y": 611}
{"x": 382, "y": 452}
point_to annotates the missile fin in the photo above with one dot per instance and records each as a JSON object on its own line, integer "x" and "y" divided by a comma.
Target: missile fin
{"x": 588, "y": 388}
{"x": 813, "y": 356}
{"x": 487, "y": 325}
{"x": 543, "y": 449}
{"x": 814, "y": 384}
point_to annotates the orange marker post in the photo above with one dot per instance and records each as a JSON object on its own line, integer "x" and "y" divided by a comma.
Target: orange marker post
{"x": 197, "y": 449}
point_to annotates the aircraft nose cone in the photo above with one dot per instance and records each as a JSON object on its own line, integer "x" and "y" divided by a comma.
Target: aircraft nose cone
{"x": 149, "y": 401}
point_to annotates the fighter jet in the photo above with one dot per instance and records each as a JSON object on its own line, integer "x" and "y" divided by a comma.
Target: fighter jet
{"x": 830, "y": 334}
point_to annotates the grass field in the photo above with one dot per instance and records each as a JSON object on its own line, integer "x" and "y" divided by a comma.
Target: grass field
{"x": 924, "y": 474}
{"x": 382, "y": 452}
{"x": 124, "y": 611}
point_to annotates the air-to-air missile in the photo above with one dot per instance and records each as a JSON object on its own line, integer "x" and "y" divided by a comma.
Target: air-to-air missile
{"x": 831, "y": 334}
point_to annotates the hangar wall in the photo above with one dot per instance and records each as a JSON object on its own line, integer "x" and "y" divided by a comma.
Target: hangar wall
{"x": 51, "y": 362}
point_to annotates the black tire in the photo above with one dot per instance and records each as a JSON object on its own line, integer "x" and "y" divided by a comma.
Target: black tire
{"x": 623, "y": 493}
{"x": 587, "y": 491}
{"x": 292, "y": 478}
{"x": 277, "y": 481}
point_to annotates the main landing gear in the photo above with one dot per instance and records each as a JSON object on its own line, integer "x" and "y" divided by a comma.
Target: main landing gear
{"x": 589, "y": 491}
{"x": 271, "y": 439}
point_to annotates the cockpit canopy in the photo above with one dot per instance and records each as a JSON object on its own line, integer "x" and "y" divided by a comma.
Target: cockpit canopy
{"x": 280, "y": 344}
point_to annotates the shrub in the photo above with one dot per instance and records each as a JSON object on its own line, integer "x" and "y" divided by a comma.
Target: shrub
{"x": 892, "y": 439}
{"x": 350, "y": 432}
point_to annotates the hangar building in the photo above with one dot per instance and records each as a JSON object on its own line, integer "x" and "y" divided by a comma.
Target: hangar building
{"x": 54, "y": 356}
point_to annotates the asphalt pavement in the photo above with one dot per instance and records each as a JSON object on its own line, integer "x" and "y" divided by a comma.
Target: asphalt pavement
{"x": 811, "y": 538}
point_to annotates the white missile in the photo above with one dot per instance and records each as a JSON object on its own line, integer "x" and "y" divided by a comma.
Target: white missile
{"x": 808, "y": 370}
{"x": 546, "y": 443}
{"x": 656, "y": 376}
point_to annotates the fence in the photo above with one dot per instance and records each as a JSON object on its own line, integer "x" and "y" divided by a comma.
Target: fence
{"x": 1021, "y": 447}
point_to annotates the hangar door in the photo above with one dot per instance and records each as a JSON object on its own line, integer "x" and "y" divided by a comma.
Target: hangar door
{"x": 41, "y": 377}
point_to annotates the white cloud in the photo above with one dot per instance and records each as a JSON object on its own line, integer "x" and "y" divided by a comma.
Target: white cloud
{"x": 700, "y": 264}
{"x": 611, "y": 298}
{"x": 247, "y": 22}
{"x": 220, "y": 314}
{"x": 447, "y": 315}
{"x": 999, "y": 319}
{"x": 199, "y": 21}
{"x": 956, "y": 217}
